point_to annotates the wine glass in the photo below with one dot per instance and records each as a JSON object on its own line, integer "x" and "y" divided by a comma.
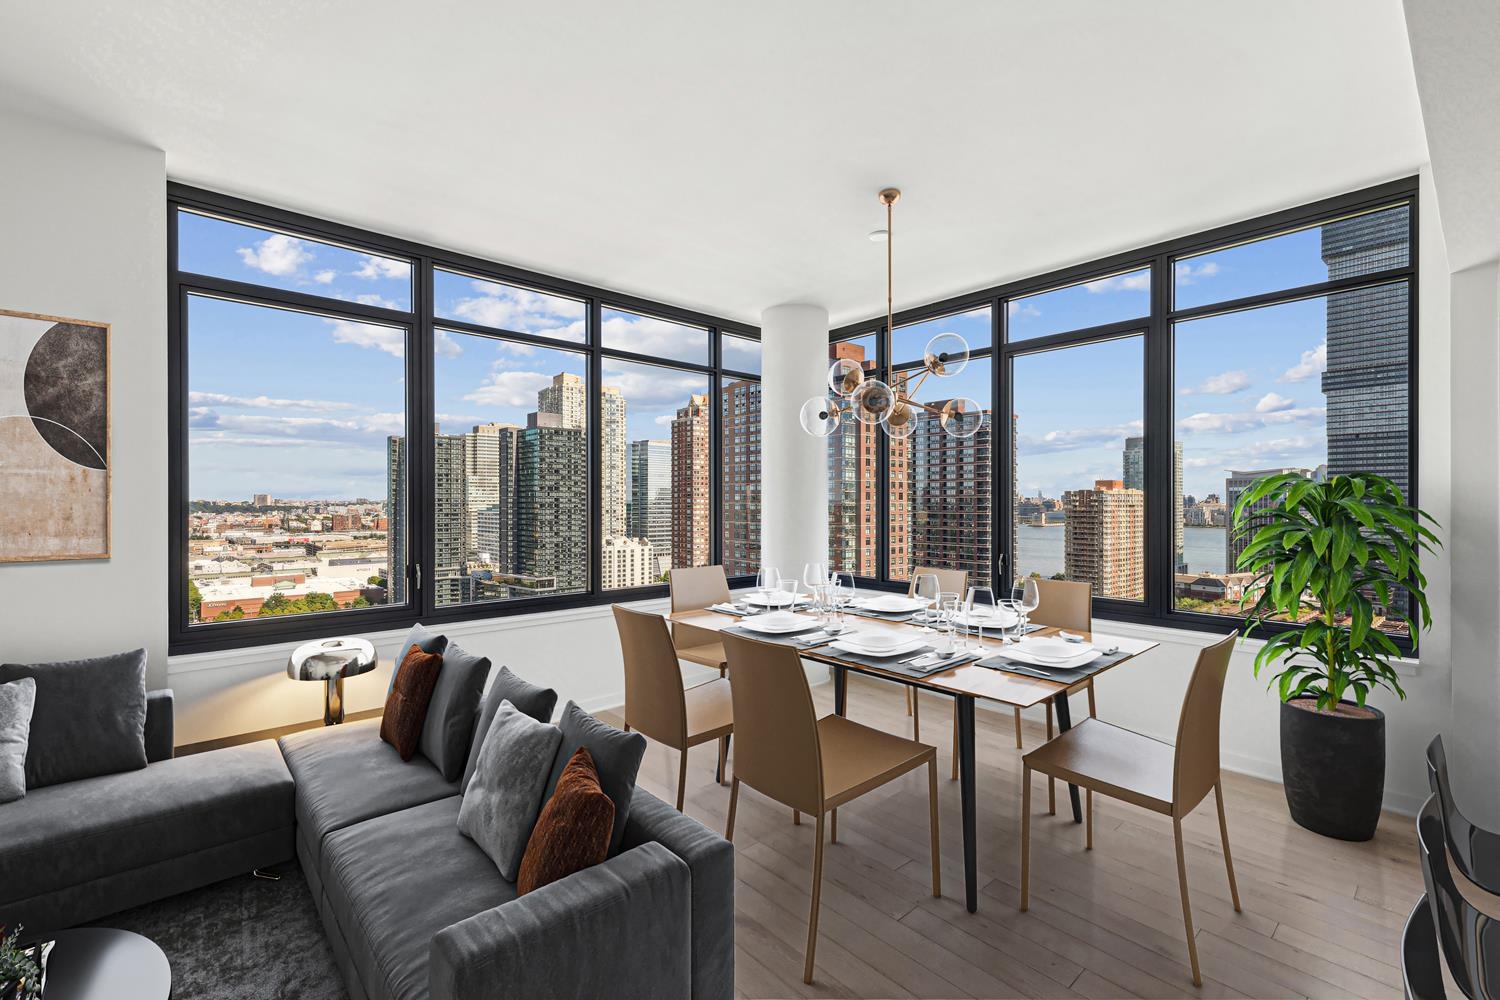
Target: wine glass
{"x": 813, "y": 574}
{"x": 767, "y": 580}
{"x": 842, "y": 585}
{"x": 926, "y": 589}
{"x": 979, "y": 607}
{"x": 1031, "y": 599}
{"x": 949, "y": 607}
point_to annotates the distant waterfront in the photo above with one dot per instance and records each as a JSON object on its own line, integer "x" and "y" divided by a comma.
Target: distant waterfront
{"x": 1040, "y": 550}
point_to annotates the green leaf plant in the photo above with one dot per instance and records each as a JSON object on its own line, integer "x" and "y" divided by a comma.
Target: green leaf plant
{"x": 1329, "y": 555}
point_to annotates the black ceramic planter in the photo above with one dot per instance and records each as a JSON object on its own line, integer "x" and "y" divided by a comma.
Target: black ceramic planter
{"x": 1333, "y": 770}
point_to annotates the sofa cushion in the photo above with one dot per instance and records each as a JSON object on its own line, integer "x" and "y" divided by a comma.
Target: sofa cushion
{"x": 452, "y": 710}
{"x": 89, "y": 719}
{"x": 69, "y": 834}
{"x": 394, "y": 881}
{"x": 502, "y": 802}
{"x": 537, "y": 702}
{"x": 572, "y": 833}
{"x": 424, "y": 639}
{"x": 406, "y": 705}
{"x": 17, "y": 699}
{"x": 345, "y": 774}
{"x": 617, "y": 755}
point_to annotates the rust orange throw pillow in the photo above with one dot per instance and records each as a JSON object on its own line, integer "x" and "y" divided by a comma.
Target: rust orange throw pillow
{"x": 406, "y": 705}
{"x": 573, "y": 831}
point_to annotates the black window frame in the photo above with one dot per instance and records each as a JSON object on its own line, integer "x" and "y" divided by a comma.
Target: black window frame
{"x": 420, "y": 321}
{"x": 1159, "y": 387}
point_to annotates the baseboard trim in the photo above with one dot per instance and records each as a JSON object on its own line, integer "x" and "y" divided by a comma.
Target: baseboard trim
{"x": 267, "y": 734}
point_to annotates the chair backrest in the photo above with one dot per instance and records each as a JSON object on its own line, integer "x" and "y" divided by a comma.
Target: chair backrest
{"x": 1196, "y": 769}
{"x": 697, "y": 587}
{"x": 654, "y": 702}
{"x": 1469, "y": 939}
{"x": 950, "y": 581}
{"x": 1475, "y": 850}
{"x": 1421, "y": 961}
{"x": 1065, "y": 604}
{"x": 776, "y": 749}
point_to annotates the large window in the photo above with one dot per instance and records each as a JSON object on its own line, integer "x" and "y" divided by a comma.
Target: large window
{"x": 343, "y": 449}
{"x": 1140, "y": 396}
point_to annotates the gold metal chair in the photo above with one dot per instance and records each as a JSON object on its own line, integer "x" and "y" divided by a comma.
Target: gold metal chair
{"x": 693, "y": 589}
{"x": 814, "y": 765}
{"x": 1146, "y": 772}
{"x": 656, "y": 703}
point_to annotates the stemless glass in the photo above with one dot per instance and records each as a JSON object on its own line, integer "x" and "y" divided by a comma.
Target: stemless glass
{"x": 926, "y": 588}
{"x": 980, "y": 606}
{"x": 949, "y": 607}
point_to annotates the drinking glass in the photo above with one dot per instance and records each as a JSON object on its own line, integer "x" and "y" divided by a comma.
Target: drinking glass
{"x": 1031, "y": 599}
{"x": 843, "y": 593}
{"x": 926, "y": 588}
{"x": 980, "y": 605}
{"x": 814, "y": 574}
{"x": 949, "y": 608}
{"x": 766, "y": 581}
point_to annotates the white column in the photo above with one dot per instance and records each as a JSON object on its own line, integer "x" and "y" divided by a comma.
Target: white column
{"x": 793, "y": 463}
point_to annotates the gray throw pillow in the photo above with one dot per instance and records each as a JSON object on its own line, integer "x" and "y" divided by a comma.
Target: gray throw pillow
{"x": 449, "y": 726}
{"x": 16, "y": 702}
{"x": 424, "y": 639}
{"x": 617, "y": 755}
{"x": 537, "y": 702}
{"x": 505, "y": 797}
{"x": 89, "y": 718}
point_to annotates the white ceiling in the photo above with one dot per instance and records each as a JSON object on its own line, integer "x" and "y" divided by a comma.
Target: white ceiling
{"x": 725, "y": 156}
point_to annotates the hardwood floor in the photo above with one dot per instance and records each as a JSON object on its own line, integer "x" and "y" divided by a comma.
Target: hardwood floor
{"x": 1322, "y": 918}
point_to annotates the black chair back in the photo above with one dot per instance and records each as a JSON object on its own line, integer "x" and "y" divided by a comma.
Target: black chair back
{"x": 1421, "y": 973}
{"x": 1470, "y": 940}
{"x": 1475, "y": 850}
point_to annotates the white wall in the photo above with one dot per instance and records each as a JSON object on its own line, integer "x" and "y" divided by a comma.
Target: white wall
{"x": 83, "y": 235}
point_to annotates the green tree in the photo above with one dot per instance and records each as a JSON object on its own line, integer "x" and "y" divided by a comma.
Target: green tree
{"x": 276, "y": 604}
{"x": 358, "y": 602}
{"x": 195, "y": 601}
{"x": 319, "y": 601}
{"x": 232, "y": 615}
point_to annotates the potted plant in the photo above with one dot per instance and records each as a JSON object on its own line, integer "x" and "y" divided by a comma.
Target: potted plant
{"x": 1328, "y": 558}
{"x": 20, "y": 978}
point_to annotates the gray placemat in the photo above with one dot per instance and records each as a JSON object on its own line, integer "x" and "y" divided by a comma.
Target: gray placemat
{"x": 1071, "y": 676}
{"x": 885, "y": 616}
{"x": 895, "y": 666}
{"x": 783, "y": 638}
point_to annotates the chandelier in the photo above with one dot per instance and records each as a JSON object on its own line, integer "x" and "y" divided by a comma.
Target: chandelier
{"x": 891, "y": 404}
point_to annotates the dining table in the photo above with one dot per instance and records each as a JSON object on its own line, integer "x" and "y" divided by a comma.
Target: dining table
{"x": 966, "y": 683}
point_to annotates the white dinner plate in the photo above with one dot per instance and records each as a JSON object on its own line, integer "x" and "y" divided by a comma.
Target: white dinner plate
{"x": 1087, "y": 655}
{"x": 775, "y": 599}
{"x": 852, "y": 645}
{"x": 999, "y": 618}
{"x": 778, "y": 623}
{"x": 894, "y": 603}
{"x": 1052, "y": 648}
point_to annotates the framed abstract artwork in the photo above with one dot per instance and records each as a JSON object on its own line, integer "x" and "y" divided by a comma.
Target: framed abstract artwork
{"x": 54, "y": 438}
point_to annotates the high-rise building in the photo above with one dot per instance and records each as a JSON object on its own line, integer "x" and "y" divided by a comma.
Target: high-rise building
{"x": 649, "y": 514}
{"x": 566, "y": 398}
{"x": 1234, "y": 488}
{"x": 395, "y": 518}
{"x": 627, "y": 562}
{"x": 489, "y": 471}
{"x": 691, "y": 510}
{"x": 739, "y": 476}
{"x": 613, "y": 462}
{"x": 449, "y": 520}
{"x": 1135, "y": 479}
{"x": 1367, "y": 375}
{"x": 1104, "y": 543}
{"x": 853, "y": 503}
{"x": 261, "y": 500}
{"x": 552, "y": 503}
{"x": 950, "y": 496}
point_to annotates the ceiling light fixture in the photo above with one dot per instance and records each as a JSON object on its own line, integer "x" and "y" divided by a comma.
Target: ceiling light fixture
{"x": 890, "y": 404}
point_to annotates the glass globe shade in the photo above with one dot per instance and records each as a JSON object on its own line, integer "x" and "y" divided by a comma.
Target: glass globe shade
{"x": 820, "y": 416}
{"x": 872, "y": 401}
{"x": 946, "y": 355}
{"x": 961, "y": 418}
{"x": 845, "y": 376}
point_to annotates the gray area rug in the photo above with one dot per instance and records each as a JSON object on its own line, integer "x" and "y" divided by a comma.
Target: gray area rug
{"x": 241, "y": 939}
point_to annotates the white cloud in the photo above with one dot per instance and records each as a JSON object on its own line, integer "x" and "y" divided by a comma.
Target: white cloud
{"x": 655, "y": 337}
{"x": 267, "y": 402}
{"x": 665, "y": 419}
{"x": 1079, "y": 437}
{"x": 1137, "y": 281}
{"x": 1273, "y": 402}
{"x": 1222, "y": 384}
{"x": 384, "y": 338}
{"x": 277, "y": 254}
{"x": 509, "y": 388}
{"x": 325, "y": 277}
{"x": 507, "y": 307}
{"x": 1017, "y": 308}
{"x": 1313, "y": 362}
{"x": 445, "y": 345}
{"x": 354, "y": 430}
{"x": 374, "y": 268}
{"x": 1188, "y": 274}
{"x": 1236, "y": 423}
{"x": 645, "y": 388}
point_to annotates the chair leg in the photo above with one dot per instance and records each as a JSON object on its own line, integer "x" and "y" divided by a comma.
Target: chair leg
{"x": 833, "y": 826}
{"x": 817, "y": 896}
{"x": 734, "y": 802}
{"x": 932, "y": 808}
{"x": 908, "y": 701}
{"x": 627, "y": 727}
{"x": 916, "y": 715}
{"x": 955, "y": 740}
{"x": 1088, "y": 811}
{"x": 1187, "y": 911}
{"x": 796, "y": 818}
{"x": 1025, "y": 839}
{"x": 1093, "y": 708}
{"x": 1234, "y": 892}
{"x": 723, "y": 760}
{"x": 681, "y": 778}
{"x": 1051, "y": 783}
{"x": 1018, "y": 729}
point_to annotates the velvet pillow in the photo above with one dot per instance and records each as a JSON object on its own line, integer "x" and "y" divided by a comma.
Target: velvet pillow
{"x": 425, "y": 640}
{"x": 573, "y": 831}
{"x": 89, "y": 718}
{"x": 616, "y": 755}
{"x": 406, "y": 705}
{"x": 451, "y": 712}
{"x": 537, "y": 702}
{"x": 501, "y": 805}
{"x": 17, "y": 699}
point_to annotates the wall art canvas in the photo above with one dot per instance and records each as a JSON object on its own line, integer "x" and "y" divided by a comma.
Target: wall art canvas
{"x": 54, "y": 438}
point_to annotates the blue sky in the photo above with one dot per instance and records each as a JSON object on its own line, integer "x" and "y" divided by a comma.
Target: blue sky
{"x": 300, "y": 406}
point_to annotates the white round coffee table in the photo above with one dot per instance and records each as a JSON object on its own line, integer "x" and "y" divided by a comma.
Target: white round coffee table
{"x": 100, "y": 963}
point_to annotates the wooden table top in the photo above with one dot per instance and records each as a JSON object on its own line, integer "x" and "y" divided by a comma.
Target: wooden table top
{"x": 966, "y": 678}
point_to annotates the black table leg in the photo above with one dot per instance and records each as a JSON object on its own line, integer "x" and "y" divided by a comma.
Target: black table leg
{"x": 1064, "y": 723}
{"x": 965, "y": 706}
{"x": 840, "y": 689}
{"x": 719, "y": 769}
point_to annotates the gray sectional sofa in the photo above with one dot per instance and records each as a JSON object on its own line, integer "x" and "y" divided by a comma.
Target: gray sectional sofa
{"x": 411, "y": 907}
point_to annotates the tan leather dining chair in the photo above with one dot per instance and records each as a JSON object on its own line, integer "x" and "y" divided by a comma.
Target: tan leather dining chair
{"x": 694, "y": 588}
{"x": 814, "y": 765}
{"x": 1146, "y": 772}
{"x": 1068, "y": 605}
{"x": 656, "y": 704}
